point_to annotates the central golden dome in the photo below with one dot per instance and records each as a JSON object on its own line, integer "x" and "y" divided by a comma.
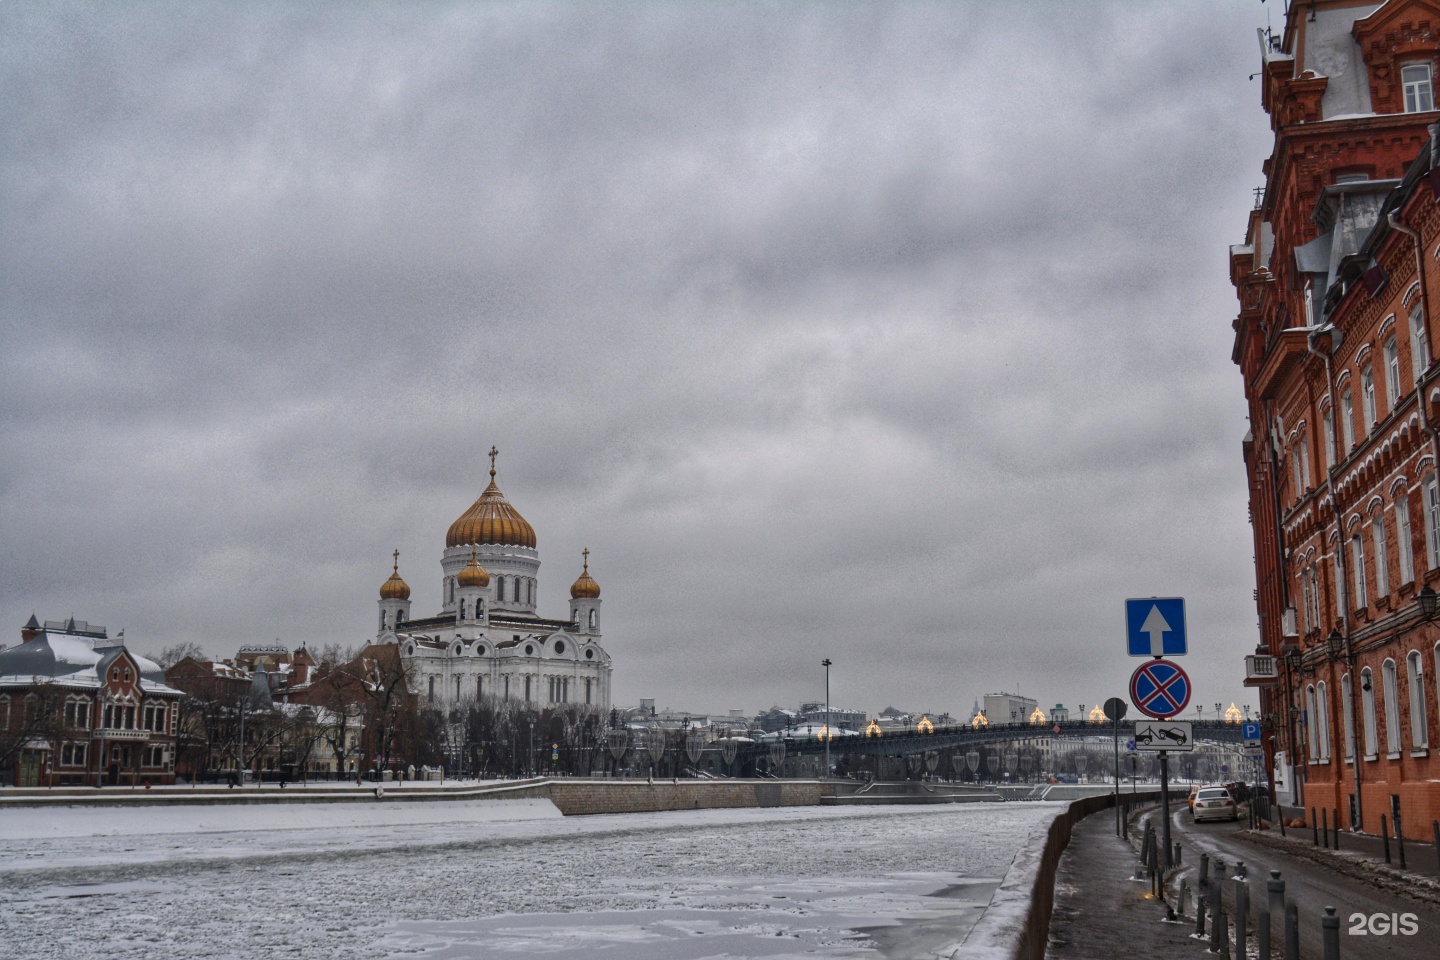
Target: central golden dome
{"x": 491, "y": 519}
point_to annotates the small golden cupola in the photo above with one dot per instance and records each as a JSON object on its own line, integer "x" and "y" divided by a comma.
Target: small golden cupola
{"x": 491, "y": 520}
{"x": 473, "y": 575}
{"x": 395, "y": 588}
{"x": 585, "y": 588}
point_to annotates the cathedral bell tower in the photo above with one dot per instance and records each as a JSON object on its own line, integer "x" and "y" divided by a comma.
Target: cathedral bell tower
{"x": 472, "y": 593}
{"x": 585, "y": 601}
{"x": 394, "y": 601}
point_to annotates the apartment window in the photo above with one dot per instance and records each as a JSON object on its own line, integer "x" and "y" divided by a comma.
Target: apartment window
{"x": 1415, "y": 679}
{"x": 1367, "y": 397}
{"x": 153, "y": 757}
{"x": 1347, "y": 707}
{"x": 77, "y": 714}
{"x": 1329, "y": 438}
{"x": 1405, "y": 546}
{"x": 73, "y": 754}
{"x": 1322, "y": 721}
{"x": 1308, "y": 625}
{"x": 1432, "y": 522}
{"x": 1419, "y": 343}
{"x": 1392, "y": 707}
{"x": 1382, "y": 563}
{"x": 1415, "y": 77}
{"x": 154, "y": 719}
{"x": 1357, "y": 566}
{"x": 1340, "y": 610}
{"x": 1312, "y": 734}
{"x": 1295, "y": 471}
{"x": 1315, "y": 596}
{"x": 1303, "y": 454}
{"x": 1367, "y": 712}
{"x": 1392, "y": 373}
{"x": 1347, "y": 419}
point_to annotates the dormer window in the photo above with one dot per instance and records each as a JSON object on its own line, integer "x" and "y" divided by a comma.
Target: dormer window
{"x": 1419, "y": 95}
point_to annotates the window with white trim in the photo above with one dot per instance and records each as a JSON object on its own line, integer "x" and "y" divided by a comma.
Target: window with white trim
{"x": 77, "y": 714}
{"x": 1308, "y": 624}
{"x": 1329, "y": 421}
{"x": 1415, "y": 680}
{"x": 1392, "y": 706}
{"x": 1367, "y": 713}
{"x": 1312, "y": 734}
{"x": 1367, "y": 398}
{"x": 1347, "y": 708}
{"x": 1347, "y": 419}
{"x": 73, "y": 754}
{"x": 1419, "y": 344}
{"x": 1340, "y": 610}
{"x": 1392, "y": 373}
{"x": 1382, "y": 562}
{"x": 1357, "y": 569}
{"x": 1419, "y": 95}
{"x": 1432, "y": 522}
{"x": 1404, "y": 545}
{"x": 1322, "y": 720}
{"x": 1315, "y": 594}
{"x": 1304, "y": 454}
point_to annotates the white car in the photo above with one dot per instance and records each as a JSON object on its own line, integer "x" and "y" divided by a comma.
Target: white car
{"x": 1215, "y": 803}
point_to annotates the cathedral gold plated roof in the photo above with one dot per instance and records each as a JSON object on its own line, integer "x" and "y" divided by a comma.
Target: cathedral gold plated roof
{"x": 491, "y": 519}
{"x": 395, "y": 588}
{"x": 585, "y": 587}
{"x": 473, "y": 575}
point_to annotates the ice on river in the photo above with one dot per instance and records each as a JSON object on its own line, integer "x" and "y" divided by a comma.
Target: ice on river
{"x": 468, "y": 879}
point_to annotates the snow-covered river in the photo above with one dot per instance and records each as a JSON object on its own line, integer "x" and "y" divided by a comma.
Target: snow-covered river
{"x": 470, "y": 879}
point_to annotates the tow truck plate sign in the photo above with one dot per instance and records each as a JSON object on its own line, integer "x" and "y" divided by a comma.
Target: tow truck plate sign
{"x": 1163, "y": 735}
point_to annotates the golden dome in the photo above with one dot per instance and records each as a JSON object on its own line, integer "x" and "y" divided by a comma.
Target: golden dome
{"x": 491, "y": 519}
{"x": 473, "y": 575}
{"x": 585, "y": 588}
{"x": 395, "y": 588}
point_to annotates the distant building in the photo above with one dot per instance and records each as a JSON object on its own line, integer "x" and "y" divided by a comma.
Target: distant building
{"x": 77, "y": 707}
{"x": 1009, "y": 708}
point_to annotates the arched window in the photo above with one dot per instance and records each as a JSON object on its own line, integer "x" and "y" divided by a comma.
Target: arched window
{"x": 1432, "y": 521}
{"x": 1382, "y": 562}
{"x": 449, "y": 589}
{"x": 1419, "y": 343}
{"x": 1347, "y": 420}
{"x": 1322, "y": 720}
{"x": 399, "y": 618}
{"x": 432, "y": 689}
{"x": 1312, "y": 720}
{"x": 1415, "y": 680}
{"x": 462, "y": 609}
{"x": 587, "y": 690}
{"x": 1392, "y": 707}
{"x": 1329, "y": 421}
{"x": 1347, "y": 708}
{"x": 382, "y": 619}
{"x": 527, "y": 689}
{"x": 1404, "y": 540}
{"x": 594, "y": 619}
{"x": 1357, "y": 569}
{"x": 1367, "y": 398}
{"x": 1367, "y": 713}
{"x": 500, "y": 589}
{"x": 479, "y": 687}
{"x": 1392, "y": 373}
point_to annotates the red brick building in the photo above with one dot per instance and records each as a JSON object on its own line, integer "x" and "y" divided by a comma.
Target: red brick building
{"x": 1337, "y": 282}
{"x": 77, "y": 707}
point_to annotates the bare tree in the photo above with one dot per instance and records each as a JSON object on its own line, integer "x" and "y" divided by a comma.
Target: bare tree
{"x": 30, "y": 717}
{"x": 172, "y": 655}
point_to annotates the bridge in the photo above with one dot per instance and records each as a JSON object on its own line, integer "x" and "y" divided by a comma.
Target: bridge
{"x": 907, "y": 742}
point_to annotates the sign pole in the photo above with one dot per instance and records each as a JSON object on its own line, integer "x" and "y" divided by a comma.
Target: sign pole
{"x": 1165, "y": 804}
{"x": 1117, "y": 776}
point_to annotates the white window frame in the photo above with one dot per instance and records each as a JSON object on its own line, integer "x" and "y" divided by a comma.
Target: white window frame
{"x": 1347, "y": 421}
{"x": 1404, "y": 545}
{"x": 1416, "y": 80}
{"x": 1419, "y": 344}
{"x": 1312, "y": 725}
{"x": 1431, "y": 495}
{"x": 1392, "y": 373}
{"x": 1390, "y": 675}
{"x": 1367, "y": 711}
{"x": 1357, "y": 562}
{"x": 1340, "y": 610}
{"x": 1382, "y": 563}
{"x": 1415, "y": 681}
{"x": 1367, "y": 398}
{"x": 1322, "y": 720}
{"x": 1347, "y": 708}
{"x": 1329, "y": 421}
{"x": 1305, "y": 462}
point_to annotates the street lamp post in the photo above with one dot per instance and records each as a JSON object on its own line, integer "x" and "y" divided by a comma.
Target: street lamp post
{"x": 826, "y": 664}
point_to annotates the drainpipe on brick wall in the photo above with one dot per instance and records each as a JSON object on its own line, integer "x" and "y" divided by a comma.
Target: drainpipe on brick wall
{"x": 1339, "y": 571}
{"x": 1424, "y": 298}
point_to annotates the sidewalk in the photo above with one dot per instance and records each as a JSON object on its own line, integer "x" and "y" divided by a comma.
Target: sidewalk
{"x": 1100, "y": 912}
{"x": 1420, "y": 854}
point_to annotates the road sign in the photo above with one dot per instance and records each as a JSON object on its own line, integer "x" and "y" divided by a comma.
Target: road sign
{"x": 1250, "y": 731}
{"x": 1254, "y": 750}
{"x": 1160, "y": 689}
{"x": 1155, "y": 627}
{"x": 1130, "y": 745}
{"x": 1114, "y": 709}
{"x": 1163, "y": 735}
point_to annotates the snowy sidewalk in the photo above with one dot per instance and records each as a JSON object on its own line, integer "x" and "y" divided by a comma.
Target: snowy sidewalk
{"x": 1102, "y": 914}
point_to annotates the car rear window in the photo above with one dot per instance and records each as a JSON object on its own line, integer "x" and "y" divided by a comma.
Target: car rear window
{"x": 1214, "y": 794}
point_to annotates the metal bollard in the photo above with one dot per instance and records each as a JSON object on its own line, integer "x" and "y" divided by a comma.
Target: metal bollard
{"x": 1292, "y": 932}
{"x": 1216, "y": 912}
{"x": 1325, "y": 826}
{"x": 1240, "y": 870}
{"x": 1200, "y": 916}
{"x": 1330, "y": 934}
{"x": 1225, "y": 939}
{"x": 1337, "y": 828}
{"x": 1262, "y": 933}
{"x": 1314, "y": 827}
{"x": 1184, "y": 897}
{"x": 1385, "y": 836}
{"x": 1242, "y": 914}
{"x": 1176, "y": 861}
{"x": 1204, "y": 879}
{"x": 1275, "y": 891}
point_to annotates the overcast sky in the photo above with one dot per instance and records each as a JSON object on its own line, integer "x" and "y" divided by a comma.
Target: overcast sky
{"x": 894, "y": 334}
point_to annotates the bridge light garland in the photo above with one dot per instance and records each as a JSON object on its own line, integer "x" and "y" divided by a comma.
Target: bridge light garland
{"x": 1097, "y": 715}
{"x": 924, "y": 726}
{"x": 1038, "y": 717}
{"x": 873, "y": 730}
{"x": 979, "y": 722}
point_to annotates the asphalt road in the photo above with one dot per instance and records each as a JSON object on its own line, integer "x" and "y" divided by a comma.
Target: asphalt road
{"x": 1314, "y": 886}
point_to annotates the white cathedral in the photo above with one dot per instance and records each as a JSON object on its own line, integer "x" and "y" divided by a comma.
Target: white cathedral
{"x": 487, "y": 640}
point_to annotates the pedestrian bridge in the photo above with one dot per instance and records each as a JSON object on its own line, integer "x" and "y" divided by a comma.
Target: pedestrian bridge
{"x": 908, "y": 742}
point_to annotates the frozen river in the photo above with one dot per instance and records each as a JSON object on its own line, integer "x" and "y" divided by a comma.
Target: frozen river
{"x": 488, "y": 879}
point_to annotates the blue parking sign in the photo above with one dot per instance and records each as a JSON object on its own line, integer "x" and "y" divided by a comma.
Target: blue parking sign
{"x": 1155, "y": 627}
{"x": 1250, "y": 731}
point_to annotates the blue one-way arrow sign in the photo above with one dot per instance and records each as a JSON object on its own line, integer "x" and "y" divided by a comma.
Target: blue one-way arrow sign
{"x": 1155, "y": 627}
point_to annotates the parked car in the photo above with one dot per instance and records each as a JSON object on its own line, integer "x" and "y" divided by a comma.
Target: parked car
{"x": 1214, "y": 803}
{"x": 1194, "y": 789}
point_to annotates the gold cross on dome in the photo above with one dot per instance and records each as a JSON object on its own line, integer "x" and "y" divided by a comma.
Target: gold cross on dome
{"x": 586, "y": 554}
{"x": 493, "y": 454}
{"x": 397, "y": 561}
